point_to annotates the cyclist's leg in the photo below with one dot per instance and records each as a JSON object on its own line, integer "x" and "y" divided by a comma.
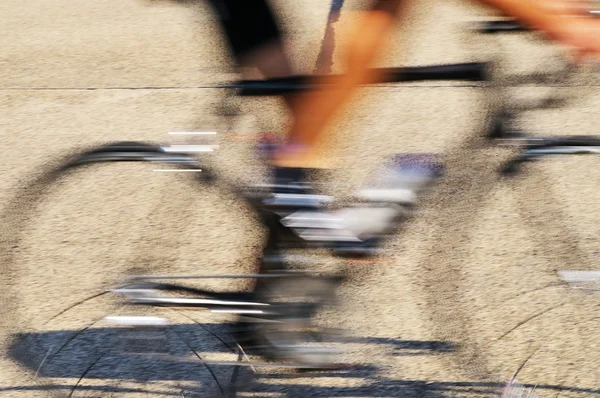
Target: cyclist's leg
{"x": 315, "y": 109}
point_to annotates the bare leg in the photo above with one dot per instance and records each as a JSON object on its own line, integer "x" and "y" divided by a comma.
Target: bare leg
{"x": 315, "y": 109}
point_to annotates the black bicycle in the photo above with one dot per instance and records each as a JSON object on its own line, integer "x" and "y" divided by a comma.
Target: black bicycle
{"x": 274, "y": 317}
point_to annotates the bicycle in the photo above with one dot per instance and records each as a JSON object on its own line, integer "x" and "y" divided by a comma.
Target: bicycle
{"x": 277, "y": 313}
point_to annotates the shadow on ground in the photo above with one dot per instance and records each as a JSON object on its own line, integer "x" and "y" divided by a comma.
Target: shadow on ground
{"x": 94, "y": 361}
{"x": 75, "y": 359}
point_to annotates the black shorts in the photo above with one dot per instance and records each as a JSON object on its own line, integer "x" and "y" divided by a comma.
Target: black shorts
{"x": 248, "y": 24}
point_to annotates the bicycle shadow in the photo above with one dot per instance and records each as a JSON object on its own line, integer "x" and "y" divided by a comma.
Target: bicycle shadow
{"x": 95, "y": 359}
{"x": 76, "y": 355}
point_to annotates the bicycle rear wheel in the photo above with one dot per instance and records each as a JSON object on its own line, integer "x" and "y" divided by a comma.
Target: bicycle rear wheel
{"x": 71, "y": 240}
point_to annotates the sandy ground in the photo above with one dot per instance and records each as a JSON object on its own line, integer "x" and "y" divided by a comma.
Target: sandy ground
{"x": 467, "y": 297}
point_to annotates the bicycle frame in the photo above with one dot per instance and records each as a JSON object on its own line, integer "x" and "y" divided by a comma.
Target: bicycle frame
{"x": 254, "y": 305}
{"x": 532, "y": 148}
{"x": 272, "y": 266}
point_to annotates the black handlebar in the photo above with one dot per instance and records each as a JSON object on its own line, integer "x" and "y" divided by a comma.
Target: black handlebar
{"x": 475, "y": 71}
{"x": 505, "y": 26}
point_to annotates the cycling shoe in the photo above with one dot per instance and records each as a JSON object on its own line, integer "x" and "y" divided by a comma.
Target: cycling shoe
{"x": 358, "y": 229}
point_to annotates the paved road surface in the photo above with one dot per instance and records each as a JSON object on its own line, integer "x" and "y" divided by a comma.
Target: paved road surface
{"x": 468, "y": 296}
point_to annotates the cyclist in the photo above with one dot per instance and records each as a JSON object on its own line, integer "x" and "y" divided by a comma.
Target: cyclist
{"x": 255, "y": 39}
{"x": 562, "y": 21}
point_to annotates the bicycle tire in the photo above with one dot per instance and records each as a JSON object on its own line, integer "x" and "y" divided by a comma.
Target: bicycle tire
{"x": 59, "y": 354}
{"x": 457, "y": 282}
{"x": 468, "y": 319}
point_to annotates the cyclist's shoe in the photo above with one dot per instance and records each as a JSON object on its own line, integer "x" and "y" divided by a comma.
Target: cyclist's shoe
{"x": 284, "y": 179}
{"x": 356, "y": 230}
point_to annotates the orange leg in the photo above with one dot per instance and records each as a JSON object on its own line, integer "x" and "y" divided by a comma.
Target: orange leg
{"x": 315, "y": 109}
